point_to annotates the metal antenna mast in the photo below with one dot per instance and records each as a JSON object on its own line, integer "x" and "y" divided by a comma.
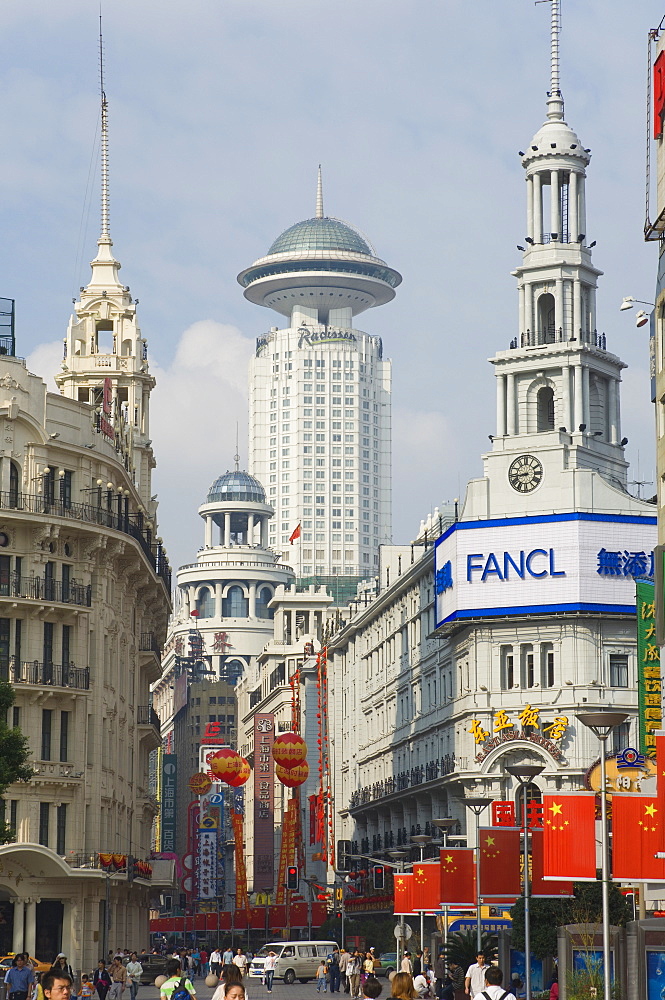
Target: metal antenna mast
{"x": 105, "y": 138}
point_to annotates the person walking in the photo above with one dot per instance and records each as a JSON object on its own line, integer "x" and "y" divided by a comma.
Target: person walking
{"x": 474, "y": 981}
{"x": 269, "y": 970}
{"x": 118, "y": 974}
{"x": 240, "y": 961}
{"x": 493, "y": 989}
{"x": 101, "y": 979}
{"x": 334, "y": 972}
{"x": 353, "y": 969}
{"x": 418, "y": 964}
{"x": 407, "y": 964}
{"x": 227, "y": 957}
{"x": 134, "y": 971}
{"x": 216, "y": 961}
{"x": 343, "y": 963}
{"x": 204, "y": 963}
{"x": 321, "y": 974}
{"x": 20, "y": 979}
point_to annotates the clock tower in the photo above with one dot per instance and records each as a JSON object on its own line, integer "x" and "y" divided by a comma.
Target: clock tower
{"x": 558, "y": 439}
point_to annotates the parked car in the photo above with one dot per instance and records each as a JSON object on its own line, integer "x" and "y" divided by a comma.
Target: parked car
{"x": 387, "y": 964}
{"x": 37, "y": 966}
{"x": 295, "y": 959}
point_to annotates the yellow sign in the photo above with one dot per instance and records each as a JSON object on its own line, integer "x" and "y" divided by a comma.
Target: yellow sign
{"x": 621, "y": 779}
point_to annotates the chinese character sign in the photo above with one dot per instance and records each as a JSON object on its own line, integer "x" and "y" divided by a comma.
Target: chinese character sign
{"x": 264, "y": 801}
{"x": 169, "y": 787}
{"x": 649, "y": 682}
{"x": 206, "y": 867}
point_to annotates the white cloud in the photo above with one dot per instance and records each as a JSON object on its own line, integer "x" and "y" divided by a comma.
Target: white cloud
{"x": 44, "y": 361}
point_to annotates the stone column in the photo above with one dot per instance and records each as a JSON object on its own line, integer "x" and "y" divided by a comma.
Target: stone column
{"x": 565, "y": 397}
{"x": 572, "y": 208}
{"x": 585, "y": 390}
{"x": 510, "y": 405}
{"x": 67, "y": 932}
{"x": 578, "y": 415}
{"x": 250, "y": 529}
{"x": 227, "y": 530}
{"x": 501, "y": 405}
{"x": 208, "y": 531}
{"x": 592, "y": 310}
{"x": 577, "y": 309}
{"x": 31, "y": 926}
{"x": 555, "y": 217}
{"x": 558, "y": 309}
{"x": 252, "y": 599}
{"x": 528, "y": 309}
{"x": 581, "y": 204}
{"x": 19, "y": 917}
{"x": 264, "y": 532}
{"x": 521, "y": 324}
{"x": 612, "y": 400}
{"x": 537, "y": 209}
{"x": 529, "y": 207}
{"x": 219, "y": 587}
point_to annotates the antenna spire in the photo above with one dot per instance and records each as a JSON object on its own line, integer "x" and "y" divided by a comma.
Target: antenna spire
{"x": 555, "y": 98}
{"x": 236, "y": 457}
{"x": 319, "y": 195}
{"x": 105, "y": 139}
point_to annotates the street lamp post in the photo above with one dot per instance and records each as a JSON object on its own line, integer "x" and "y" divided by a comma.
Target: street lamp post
{"x": 398, "y": 858}
{"x": 477, "y": 803}
{"x": 444, "y": 824}
{"x": 525, "y": 773}
{"x": 422, "y": 840}
{"x": 602, "y": 724}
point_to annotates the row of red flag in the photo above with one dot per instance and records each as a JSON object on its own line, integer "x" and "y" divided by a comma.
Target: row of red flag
{"x": 563, "y": 850}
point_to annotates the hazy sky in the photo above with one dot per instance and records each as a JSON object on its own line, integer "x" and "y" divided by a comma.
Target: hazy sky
{"x": 219, "y": 115}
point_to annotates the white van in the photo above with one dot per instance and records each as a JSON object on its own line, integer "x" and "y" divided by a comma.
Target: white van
{"x": 295, "y": 959}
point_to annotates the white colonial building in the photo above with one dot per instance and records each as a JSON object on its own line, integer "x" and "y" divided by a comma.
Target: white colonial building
{"x": 479, "y": 654}
{"x": 320, "y": 398}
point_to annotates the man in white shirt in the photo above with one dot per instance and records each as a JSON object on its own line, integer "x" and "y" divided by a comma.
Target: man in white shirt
{"x": 240, "y": 961}
{"x": 474, "y": 981}
{"x": 407, "y": 964}
{"x": 216, "y": 962}
{"x": 493, "y": 989}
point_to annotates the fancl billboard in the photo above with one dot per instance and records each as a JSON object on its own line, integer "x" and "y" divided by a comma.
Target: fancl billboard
{"x": 547, "y": 564}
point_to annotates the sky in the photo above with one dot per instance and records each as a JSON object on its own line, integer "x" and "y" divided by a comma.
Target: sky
{"x": 220, "y": 112}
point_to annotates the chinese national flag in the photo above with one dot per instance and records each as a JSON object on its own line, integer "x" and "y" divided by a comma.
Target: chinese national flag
{"x": 500, "y": 862}
{"x": 402, "y": 883}
{"x": 295, "y": 534}
{"x": 540, "y": 888}
{"x": 659, "y": 737}
{"x": 458, "y": 877}
{"x": 426, "y": 886}
{"x": 637, "y": 833}
{"x": 569, "y": 836}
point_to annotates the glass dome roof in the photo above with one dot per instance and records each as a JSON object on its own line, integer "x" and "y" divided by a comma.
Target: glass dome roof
{"x": 236, "y": 486}
{"x": 317, "y": 236}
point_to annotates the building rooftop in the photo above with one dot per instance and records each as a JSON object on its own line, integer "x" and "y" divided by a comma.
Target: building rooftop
{"x": 321, "y": 235}
{"x": 236, "y": 485}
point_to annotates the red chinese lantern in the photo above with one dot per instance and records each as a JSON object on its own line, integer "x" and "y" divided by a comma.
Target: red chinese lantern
{"x": 289, "y": 750}
{"x": 242, "y": 775}
{"x": 225, "y": 764}
{"x": 200, "y": 783}
{"x": 294, "y": 776}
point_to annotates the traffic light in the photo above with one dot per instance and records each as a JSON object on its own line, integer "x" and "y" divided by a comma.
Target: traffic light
{"x": 131, "y": 868}
{"x": 379, "y": 877}
{"x": 292, "y": 877}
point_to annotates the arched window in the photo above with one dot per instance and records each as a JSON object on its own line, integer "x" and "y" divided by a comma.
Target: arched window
{"x": 545, "y": 408}
{"x": 546, "y": 329}
{"x": 235, "y": 604}
{"x": 232, "y": 671}
{"x": 532, "y": 794}
{"x": 14, "y": 480}
{"x": 205, "y": 603}
{"x": 263, "y": 596}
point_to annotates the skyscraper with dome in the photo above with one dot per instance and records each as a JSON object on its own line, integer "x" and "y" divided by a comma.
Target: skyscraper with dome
{"x": 320, "y": 400}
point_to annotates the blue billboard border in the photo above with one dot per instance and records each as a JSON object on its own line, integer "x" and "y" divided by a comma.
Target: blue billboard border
{"x": 496, "y": 522}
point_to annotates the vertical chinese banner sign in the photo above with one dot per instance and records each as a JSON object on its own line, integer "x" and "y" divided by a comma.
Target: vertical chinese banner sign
{"x": 264, "y": 802}
{"x": 648, "y": 668}
{"x": 207, "y": 858}
{"x": 169, "y": 785}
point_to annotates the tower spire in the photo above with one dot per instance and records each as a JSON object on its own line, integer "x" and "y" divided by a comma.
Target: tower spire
{"x": 554, "y": 98}
{"x": 319, "y": 195}
{"x": 105, "y": 138}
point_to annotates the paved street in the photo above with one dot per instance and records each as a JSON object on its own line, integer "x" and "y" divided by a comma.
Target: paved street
{"x": 255, "y": 990}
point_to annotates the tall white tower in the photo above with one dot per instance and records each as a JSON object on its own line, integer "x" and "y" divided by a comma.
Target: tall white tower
{"x": 105, "y": 357}
{"x": 558, "y": 384}
{"x": 320, "y": 395}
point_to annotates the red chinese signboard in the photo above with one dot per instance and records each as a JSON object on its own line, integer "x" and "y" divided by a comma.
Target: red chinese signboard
{"x": 264, "y": 802}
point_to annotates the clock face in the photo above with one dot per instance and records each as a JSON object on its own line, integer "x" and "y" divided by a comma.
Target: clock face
{"x": 525, "y": 473}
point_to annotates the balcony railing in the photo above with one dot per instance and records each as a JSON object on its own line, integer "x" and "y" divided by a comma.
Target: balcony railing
{"x": 148, "y": 643}
{"x": 36, "y": 588}
{"x": 404, "y": 779}
{"x": 147, "y": 716}
{"x": 130, "y": 524}
{"x": 44, "y": 674}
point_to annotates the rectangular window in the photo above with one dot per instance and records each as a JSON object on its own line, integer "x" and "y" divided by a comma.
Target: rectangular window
{"x": 527, "y": 666}
{"x": 16, "y": 717}
{"x": 5, "y": 566}
{"x": 44, "y": 814}
{"x": 619, "y": 670}
{"x": 13, "y": 817}
{"x": 66, "y": 643}
{"x": 621, "y": 737}
{"x": 4, "y": 648}
{"x": 507, "y": 668}
{"x": 547, "y": 664}
{"x": 66, "y": 488}
{"x": 61, "y": 829}
{"x": 47, "y": 723}
{"x": 64, "y": 736}
{"x": 49, "y": 578}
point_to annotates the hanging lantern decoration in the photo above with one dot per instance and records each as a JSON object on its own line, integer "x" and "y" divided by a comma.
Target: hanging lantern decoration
{"x": 225, "y": 764}
{"x": 289, "y": 750}
{"x": 241, "y": 777}
{"x": 293, "y": 776}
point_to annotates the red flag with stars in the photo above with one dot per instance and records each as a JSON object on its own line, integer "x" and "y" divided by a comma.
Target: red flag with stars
{"x": 500, "y": 855}
{"x": 458, "y": 876}
{"x": 569, "y": 836}
{"x": 637, "y": 833}
{"x": 659, "y": 741}
{"x": 540, "y": 889}
{"x": 426, "y": 886}
{"x": 402, "y": 883}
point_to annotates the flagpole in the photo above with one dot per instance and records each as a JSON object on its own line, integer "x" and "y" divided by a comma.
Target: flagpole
{"x": 525, "y": 774}
{"x": 477, "y": 803}
{"x": 422, "y": 839}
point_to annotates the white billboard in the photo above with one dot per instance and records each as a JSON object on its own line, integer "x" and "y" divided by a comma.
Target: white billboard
{"x": 548, "y": 563}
